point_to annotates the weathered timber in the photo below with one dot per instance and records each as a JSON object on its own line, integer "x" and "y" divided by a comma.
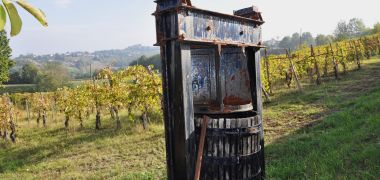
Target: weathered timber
{"x": 335, "y": 62}
{"x": 267, "y": 71}
{"x": 316, "y": 67}
{"x": 211, "y": 67}
{"x": 290, "y": 58}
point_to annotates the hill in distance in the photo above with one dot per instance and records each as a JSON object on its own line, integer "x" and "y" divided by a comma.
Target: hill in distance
{"x": 81, "y": 62}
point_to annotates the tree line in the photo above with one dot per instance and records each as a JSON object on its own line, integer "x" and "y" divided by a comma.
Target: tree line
{"x": 344, "y": 30}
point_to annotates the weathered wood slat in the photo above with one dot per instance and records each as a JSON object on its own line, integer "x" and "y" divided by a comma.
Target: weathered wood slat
{"x": 231, "y": 156}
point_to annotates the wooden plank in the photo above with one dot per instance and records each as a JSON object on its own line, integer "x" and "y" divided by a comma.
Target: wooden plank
{"x": 289, "y": 55}
{"x": 200, "y": 148}
{"x": 253, "y": 56}
{"x": 233, "y": 149}
{"x": 250, "y": 145}
{"x": 209, "y": 152}
{"x": 267, "y": 68}
{"x": 336, "y": 67}
{"x": 316, "y": 67}
{"x": 227, "y": 148}
{"x": 215, "y": 150}
{"x": 221, "y": 148}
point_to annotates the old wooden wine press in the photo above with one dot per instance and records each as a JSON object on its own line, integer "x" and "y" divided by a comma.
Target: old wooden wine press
{"x": 211, "y": 68}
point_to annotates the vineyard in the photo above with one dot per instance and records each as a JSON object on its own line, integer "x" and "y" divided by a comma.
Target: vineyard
{"x": 315, "y": 63}
{"x": 137, "y": 91}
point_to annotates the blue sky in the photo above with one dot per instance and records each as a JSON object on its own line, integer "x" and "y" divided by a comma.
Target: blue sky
{"x": 89, "y": 25}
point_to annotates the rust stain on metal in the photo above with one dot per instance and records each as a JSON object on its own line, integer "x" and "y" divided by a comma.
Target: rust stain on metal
{"x": 235, "y": 101}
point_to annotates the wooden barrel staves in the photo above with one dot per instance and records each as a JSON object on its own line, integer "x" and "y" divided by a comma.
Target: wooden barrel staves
{"x": 232, "y": 147}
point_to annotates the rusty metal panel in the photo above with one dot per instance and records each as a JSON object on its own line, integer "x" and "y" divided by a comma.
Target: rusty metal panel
{"x": 203, "y": 27}
{"x": 236, "y": 88}
{"x": 234, "y": 85}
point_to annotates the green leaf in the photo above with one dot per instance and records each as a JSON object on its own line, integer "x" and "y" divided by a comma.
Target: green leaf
{"x": 16, "y": 23}
{"x": 37, "y": 13}
{"x": 3, "y": 17}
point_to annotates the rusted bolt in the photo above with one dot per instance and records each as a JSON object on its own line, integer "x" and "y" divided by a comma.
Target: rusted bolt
{"x": 208, "y": 28}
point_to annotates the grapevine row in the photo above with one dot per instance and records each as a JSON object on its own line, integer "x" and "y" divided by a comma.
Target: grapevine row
{"x": 317, "y": 62}
{"x": 136, "y": 89}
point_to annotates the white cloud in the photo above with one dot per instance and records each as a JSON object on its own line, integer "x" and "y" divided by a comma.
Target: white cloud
{"x": 63, "y": 3}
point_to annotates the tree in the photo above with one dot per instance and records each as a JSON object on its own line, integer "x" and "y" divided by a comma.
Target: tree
{"x": 323, "y": 39}
{"x": 53, "y": 76}
{"x": 147, "y": 61}
{"x": 356, "y": 27}
{"x": 307, "y": 39}
{"x": 342, "y": 31}
{"x": 285, "y": 42}
{"x": 295, "y": 41}
{"x": 15, "y": 78}
{"x": 16, "y": 22}
{"x": 5, "y": 55}
{"x": 376, "y": 28}
{"x": 29, "y": 73}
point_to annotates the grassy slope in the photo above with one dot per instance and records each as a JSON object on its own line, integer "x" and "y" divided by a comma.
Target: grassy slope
{"x": 324, "y": 132}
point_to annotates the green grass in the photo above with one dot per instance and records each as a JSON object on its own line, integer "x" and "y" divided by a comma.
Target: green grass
{"x": 326, "y": 132}
{"x": 30, "y": 88}
{"x": 84, "y": 153}
{"x": 346, "y": 145}
{"x": 18, "y": 88}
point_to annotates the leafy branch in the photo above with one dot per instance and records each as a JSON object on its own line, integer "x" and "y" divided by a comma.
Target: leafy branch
{"x": 7, "y": 8}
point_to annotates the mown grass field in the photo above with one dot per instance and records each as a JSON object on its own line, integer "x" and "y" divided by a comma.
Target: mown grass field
{"x": 30, "y": 88}
{"x": 18, "y": 88}
{"x": 326, "y": 132}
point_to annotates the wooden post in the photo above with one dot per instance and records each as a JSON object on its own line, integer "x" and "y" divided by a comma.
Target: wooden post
{"x": 336, "y": 68}
{"x": 340, "y": 50}
{"x": 53, "y": 110}
{"x": 316, "y": 67}
{"x": 27, "y": 110}
{"x": 44, "y": 118}
{"x": 267, "y": 67}
{"x": 378, "y": 44}
{"x": 357, "y": 55}
{"x": 12, "y": 124}
{"x": 288, "y": 54}
{"x": 325, "y": 67}
{"x": 366, "y": 48}
{"x": 200, "y": 148}
{"x": 266, "y": 94}
{"x": 343, "y": 63}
